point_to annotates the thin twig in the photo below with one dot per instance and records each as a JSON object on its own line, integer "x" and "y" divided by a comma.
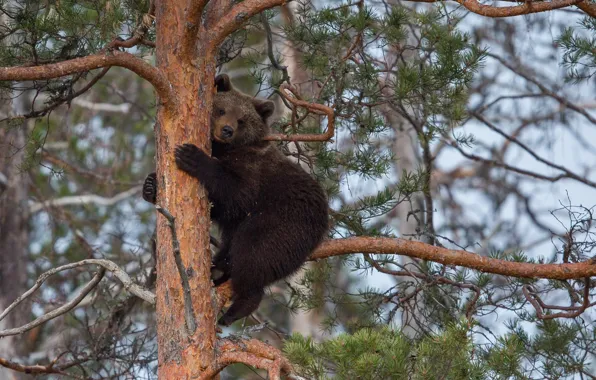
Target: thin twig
{"x": 60, "y": 310}
{"x": 274, "y": 62}
{"x": 568, "y": 173}
{"x": 572, "y": 311}
{"x": 121, "y": 275}
{"x": 189, "y": 314}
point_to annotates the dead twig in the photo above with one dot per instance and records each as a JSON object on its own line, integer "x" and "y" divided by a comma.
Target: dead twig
{"x": 189, "y": 314}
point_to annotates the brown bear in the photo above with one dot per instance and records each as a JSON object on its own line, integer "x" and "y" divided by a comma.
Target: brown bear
{"x": 271, "y": 213}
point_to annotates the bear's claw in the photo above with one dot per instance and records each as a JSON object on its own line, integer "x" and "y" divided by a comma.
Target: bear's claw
{"x": 150, "y": 188}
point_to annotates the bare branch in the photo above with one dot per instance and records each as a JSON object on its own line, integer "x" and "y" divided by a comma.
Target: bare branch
{"x": 35, "y": 369}
{"x": 276, "y": 65}
{"x": 526, "y": 8}
{"x": 561, "y": 99}
{"x": 103, "y": 107}
{"x": 105, "y": 264}
{"x": 140, "y": 31}
{"x": 237, "y": 16}
{"x": 77, "y": 65}
{"x": 189, "y": 314}
{"x": 319, "y": 109}
{"x": 410, "y": 248}
{"x": 56, "y": 161}
{"x": 572, "y": 311}
{"x": 568, "y": 173}
{"x": 58, "y": 311}
{"x": 512, "y": 168}
{"x": 128, "y": 284}
{"x": 223, "y": 294}
{"x": 77, "y": 200}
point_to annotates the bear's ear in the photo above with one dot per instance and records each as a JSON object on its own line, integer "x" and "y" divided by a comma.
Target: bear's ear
{"x": 264, "y": 108}
{"x": 222, "y": 82}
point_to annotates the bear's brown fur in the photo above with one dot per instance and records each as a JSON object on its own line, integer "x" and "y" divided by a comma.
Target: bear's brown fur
{"x": 271, "y": 213}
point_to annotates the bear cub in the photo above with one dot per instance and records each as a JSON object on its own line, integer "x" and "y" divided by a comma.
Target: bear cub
{"x": 271, "y": 213}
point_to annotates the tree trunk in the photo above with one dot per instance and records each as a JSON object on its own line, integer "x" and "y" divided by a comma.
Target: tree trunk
{"x": 182, "y": 353}
{"x": 13, "y": 227}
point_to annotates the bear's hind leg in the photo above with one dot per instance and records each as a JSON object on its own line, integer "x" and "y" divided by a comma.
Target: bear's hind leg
{"x": 221, "y": 269}
{"x": 244, "y": 304}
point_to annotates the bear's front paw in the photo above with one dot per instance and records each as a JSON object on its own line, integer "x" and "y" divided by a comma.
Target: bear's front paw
{"x": 150, "y": 188}
{"x": 187, "y": 158}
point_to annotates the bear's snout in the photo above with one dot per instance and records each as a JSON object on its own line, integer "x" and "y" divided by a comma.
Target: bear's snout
{"x": 227, "y": 132}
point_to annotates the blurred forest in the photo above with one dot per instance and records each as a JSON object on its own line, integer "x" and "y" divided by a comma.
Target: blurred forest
{"x": 452, "y": 129}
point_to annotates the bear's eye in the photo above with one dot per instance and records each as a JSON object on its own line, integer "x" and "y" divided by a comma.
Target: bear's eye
{"x": 240, "y": 122}
{"x": 220, "y": 112}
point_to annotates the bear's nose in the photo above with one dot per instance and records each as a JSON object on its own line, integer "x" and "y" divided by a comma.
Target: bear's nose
{"x": 227, "y": 132}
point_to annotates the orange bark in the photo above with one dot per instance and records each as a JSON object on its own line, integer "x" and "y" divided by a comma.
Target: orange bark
{"x": 337, "y": 247}
{"x": 183, "y": 354}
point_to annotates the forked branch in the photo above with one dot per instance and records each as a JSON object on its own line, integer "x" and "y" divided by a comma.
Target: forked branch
{"x": 316, "y": 108}
{"x": 236, "y": 17}
{"x": 56, "y": 312}
{"x": 566, "y": 311}
{"x": 193, "y": 13}
{"x": 104, "y": 264}
{"x": 251, "y": 352}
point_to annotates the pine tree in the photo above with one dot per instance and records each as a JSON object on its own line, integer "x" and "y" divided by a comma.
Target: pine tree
{"x": 113, "y": 83}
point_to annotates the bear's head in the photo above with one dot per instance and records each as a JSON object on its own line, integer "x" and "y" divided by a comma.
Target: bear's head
{"x": 238, "y": 119}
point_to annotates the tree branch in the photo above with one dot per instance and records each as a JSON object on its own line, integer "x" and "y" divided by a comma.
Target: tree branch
{"x": 88, "y": 174}
{"x": 121, "y": 275}
{"x": 58, "y": 311}
{"x": 523, "y": 72}
{"x": 66, "y": 99}
{"x": 319, "y": 109}
{"x": 237, "y": 16}
{"x": 276, "y": 65}
{"x": 192, "y": 23}
{"x": 189, "y": 314}
{"x": 77, "y": 65}
{"x": 568, "y": 173}
{"x": 251, "y": 352}
{"x": 571, "y": 311}
{"x": 36, "y": 369}
{"x": 337, "y": 247}
{"x": 510, "y": 168}
{"x": 587, "y": 7}
{"x": 84, "y": 200}
{"x": 526, "y": 8}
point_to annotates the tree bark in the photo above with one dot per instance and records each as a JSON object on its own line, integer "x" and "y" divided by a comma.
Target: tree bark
{"x": 183, "y": 354}
{"x": 13, "y": 228}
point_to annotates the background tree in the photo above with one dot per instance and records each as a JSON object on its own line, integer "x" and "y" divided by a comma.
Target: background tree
{"x": 367, "y": 63}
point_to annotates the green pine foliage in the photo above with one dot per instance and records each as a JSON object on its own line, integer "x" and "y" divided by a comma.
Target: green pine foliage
{"x": 429, "y": 88}
{"x": 578, "y": 44}
{"x": 384, "y": 353}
